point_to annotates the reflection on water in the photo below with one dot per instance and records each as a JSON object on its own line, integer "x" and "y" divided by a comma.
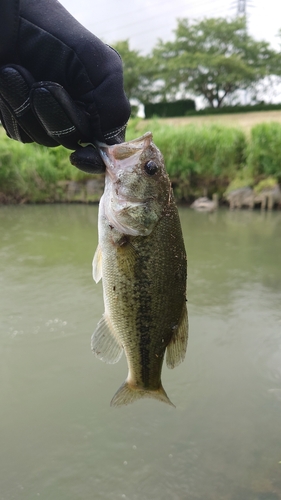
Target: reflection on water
{"x": 59, "y": 437}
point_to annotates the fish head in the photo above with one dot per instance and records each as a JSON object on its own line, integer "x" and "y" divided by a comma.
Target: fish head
{"x": 137, "y": 186}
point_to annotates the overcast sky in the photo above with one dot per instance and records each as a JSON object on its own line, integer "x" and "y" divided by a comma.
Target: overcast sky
{"x": 143, "y": 22}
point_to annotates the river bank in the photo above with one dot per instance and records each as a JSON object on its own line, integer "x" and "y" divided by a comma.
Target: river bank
{"x": 201, "y": 158}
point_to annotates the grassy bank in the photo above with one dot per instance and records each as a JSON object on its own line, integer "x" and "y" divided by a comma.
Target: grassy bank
{"x": 243, "y": 121}
{"x": 215, "y": 157}
{"x": 200, "y": 158}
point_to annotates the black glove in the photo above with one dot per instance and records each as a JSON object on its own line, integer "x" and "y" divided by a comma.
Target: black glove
{"x": 59, "y": 84}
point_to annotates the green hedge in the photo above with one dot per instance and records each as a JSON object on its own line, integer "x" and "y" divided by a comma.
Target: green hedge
{"x": 234, "y": 109}
{"x": 169, "y": 109}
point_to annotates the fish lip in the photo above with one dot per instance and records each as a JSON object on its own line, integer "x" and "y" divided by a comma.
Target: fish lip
{"x": 107, "y": 161}
{"x": 140, "y": 143}
{"x": 111, "y": 155}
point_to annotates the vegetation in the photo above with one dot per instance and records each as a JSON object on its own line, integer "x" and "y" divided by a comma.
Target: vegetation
{"x": 164, "y": 109}
{"x": 234, "y": 109}
{"x": 199, "y": 159}
{"x": 31, "y": 173}
{"x": 134, "y": 70}
{"x": 268, "y": 183}
{"x": 264, "y": 151}
{"x": 213, "y": 58}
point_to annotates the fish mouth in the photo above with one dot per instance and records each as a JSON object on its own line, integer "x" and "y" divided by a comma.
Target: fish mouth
{"x": 119, "y": 156}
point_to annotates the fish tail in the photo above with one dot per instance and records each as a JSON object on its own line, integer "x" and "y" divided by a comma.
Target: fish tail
{"x": 128, "y": 393}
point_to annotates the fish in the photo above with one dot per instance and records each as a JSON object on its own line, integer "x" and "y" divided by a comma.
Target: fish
{"x": 141, "y": 259}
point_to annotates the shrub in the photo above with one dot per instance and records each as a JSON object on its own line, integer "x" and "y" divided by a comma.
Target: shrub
{"x": 235, "y": 109}
{"x": 31, "y": 171}
{"x": 164, "y": 109}
{"x": 206, "y": 153}
{"x": 264, "y": 150}
{"x": 197, "y": 157}
{"x": 268, "y": 183}
{"x": 12, "y": 184}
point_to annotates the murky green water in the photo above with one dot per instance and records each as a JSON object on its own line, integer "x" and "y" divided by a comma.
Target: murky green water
{"x": 59, "y": 439}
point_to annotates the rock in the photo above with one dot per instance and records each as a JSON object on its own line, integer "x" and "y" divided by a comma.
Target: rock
{"x": 242, "y": 197}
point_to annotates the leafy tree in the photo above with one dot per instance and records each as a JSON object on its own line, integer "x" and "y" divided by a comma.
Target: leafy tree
{"x": 212, "y": 58}
{"x": 132, "y": 64}
{"x": 139, "y": 74}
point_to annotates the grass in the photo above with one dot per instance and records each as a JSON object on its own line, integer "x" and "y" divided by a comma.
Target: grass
{"x": 244, "y": 121}
{"x": 198, "y": 158}
{"x": 264, "y": 150}
{"x": 203, "y": 154}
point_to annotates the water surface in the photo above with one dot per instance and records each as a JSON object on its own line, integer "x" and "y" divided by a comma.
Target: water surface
{"x": 59, "y": 439}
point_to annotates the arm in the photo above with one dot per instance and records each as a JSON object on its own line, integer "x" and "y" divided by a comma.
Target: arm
{"x": 59, "y": 84}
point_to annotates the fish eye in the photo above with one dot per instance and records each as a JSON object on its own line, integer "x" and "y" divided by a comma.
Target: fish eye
{"x": 151, "y": 167}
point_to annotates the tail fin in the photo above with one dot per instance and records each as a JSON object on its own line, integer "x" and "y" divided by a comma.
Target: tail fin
{"x": 127, "y": 394}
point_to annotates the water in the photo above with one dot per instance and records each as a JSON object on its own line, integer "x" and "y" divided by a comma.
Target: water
{"x": 59, "y": 439}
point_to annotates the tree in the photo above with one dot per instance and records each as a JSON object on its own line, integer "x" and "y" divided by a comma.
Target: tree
{"x": 139, "y": 74}
{"x": 132, "y": 62}
{"x": 213, "y": 58}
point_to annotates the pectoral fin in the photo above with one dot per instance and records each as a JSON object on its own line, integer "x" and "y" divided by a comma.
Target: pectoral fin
{"x": 127, "y": 256}
{"x": 104, "y": 343}
{"x": 97, "y": 265}
{"x": 176, "y": 349}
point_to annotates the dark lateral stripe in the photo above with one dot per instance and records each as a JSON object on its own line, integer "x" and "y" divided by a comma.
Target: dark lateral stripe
{"x": 145, "y": 358}
{"x": 144, "y": 317}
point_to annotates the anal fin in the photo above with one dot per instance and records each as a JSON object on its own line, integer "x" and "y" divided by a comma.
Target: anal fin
{"x": 104, "y": 343}
{"x": 176, "y": 349}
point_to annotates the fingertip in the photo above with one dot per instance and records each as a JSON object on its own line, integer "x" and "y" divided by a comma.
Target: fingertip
{"x": 88, "y": 160}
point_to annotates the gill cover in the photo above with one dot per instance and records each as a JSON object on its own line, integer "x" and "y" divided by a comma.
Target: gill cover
{"x": 137, "y": 187}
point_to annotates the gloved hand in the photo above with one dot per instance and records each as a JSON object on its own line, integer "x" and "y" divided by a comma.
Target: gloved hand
{"x": 59, "y": 84}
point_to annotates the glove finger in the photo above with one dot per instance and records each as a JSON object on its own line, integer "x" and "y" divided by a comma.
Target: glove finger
{"x": 88, "y": 160}
{"x": 62, "y": 118}
{"x": 19, "y": 120}
{"x": 13, "y": 130}
{"x": 115, "y": 136}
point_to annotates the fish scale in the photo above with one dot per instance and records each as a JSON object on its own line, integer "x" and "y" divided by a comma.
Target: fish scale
{"x": 144, "y": 276}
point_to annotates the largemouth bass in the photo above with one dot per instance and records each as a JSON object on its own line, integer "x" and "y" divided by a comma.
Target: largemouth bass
{"x": 142, "y": 262}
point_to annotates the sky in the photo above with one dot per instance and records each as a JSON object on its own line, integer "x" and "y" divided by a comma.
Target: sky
{"x": 143, "y": 22}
